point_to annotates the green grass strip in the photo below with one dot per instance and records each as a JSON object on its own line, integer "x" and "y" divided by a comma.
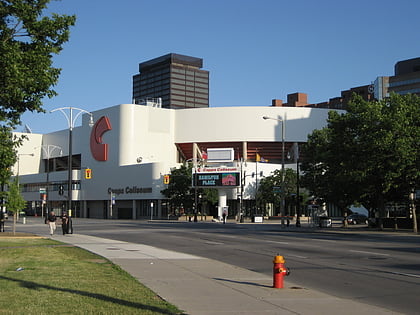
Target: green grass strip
{"x": 62, "y": 279}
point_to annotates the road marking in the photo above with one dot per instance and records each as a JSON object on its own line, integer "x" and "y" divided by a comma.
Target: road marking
{"x": 213, "y": 243}
{"x": 297, "y": 256}
{"x": 323, "y": 240}
{"x": 405, "y": 274}
{"x": 277, "y": 242}
{"x": 369, "y": 253}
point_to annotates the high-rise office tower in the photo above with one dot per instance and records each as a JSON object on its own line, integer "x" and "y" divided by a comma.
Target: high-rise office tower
{"x": 175, "y": 79}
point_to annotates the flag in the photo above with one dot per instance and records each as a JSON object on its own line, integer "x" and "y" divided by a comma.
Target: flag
{"x": 259, "y": 158}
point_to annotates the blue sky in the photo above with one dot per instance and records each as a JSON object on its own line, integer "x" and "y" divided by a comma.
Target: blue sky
{"x": 255, "y": 50}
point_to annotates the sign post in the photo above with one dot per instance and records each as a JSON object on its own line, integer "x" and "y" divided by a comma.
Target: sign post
{"x": 42, "y": 196}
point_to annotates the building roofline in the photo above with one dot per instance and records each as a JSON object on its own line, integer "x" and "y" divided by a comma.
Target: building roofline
{"x": 172, "y": 58}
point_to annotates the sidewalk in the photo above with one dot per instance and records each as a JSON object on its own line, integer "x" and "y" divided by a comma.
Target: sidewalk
{"x": 201, "y": 286}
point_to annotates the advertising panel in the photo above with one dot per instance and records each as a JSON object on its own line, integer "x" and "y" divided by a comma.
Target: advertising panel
{"x": 216, "y": 177}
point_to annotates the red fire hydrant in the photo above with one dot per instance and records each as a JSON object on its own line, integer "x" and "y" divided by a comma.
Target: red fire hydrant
{"x": 279, "y": 272}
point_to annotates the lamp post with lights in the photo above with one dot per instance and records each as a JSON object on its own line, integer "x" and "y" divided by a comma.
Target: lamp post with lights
{"x": 71, "y": 119}
{"x": 282, "y": 205}
{"x": 47, "y": 150}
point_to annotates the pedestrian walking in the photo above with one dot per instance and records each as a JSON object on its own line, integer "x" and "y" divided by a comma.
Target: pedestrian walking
{"x": 65, "y": 223}
{"x": 51, "y": 222}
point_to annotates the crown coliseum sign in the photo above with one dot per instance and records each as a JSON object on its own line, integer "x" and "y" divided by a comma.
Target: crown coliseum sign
{"x": 216, "y": 177}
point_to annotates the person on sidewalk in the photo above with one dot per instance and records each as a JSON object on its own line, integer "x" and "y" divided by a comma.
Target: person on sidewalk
{"x": 65, "y": 223}
{"x": 51, "y": 222}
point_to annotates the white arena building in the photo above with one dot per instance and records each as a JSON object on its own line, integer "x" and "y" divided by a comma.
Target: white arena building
{"x": 131, "y": 147}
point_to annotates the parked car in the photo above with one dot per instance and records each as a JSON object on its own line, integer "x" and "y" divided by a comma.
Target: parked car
{"x": 356, "y": 218}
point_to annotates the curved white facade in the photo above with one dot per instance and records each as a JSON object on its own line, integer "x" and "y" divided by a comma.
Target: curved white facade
{"x": 142, "y": 147}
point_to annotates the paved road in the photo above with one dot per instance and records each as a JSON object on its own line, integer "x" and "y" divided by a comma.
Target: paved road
{"x": 377, "y": 268}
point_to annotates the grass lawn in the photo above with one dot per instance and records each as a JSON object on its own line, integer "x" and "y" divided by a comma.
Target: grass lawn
{"x": 62, "y": 279}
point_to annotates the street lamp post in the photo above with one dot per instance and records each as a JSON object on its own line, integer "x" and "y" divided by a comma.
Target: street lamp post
{"x": 71, "y": 122}
{"x": 151, "y": 210}
{"x": 297, "y": 192}
{"x": 48, "y": 149}
{"x": 282, "y": 205}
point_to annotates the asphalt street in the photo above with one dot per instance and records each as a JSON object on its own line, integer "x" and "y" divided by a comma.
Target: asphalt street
{"x": 377, "y": 268}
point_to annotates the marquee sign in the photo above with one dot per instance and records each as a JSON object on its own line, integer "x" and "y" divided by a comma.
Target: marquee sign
{"x": 216, "y": 177}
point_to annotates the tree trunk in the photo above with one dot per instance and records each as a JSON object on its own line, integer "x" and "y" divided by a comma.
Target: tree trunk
{"x": 413, "y": 210}
{"x": 381, "y": 208}
{"x": 14, "y": 222}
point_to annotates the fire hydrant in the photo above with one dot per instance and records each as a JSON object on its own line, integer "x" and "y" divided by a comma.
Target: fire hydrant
{"x": 279, "y": 272}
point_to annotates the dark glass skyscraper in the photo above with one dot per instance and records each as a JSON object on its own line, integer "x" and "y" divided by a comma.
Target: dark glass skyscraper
{"x": 176, "y": 79}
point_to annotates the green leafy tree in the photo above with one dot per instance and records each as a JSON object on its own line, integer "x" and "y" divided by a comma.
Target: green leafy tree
{"x": 180, "y": 192}
{"x": 267, "y": 193}
{"x": 369, "y": 154}
{"x": 28, "y": 39}
{"x": 8, "y": 144}
{"x": 15, "y": 202}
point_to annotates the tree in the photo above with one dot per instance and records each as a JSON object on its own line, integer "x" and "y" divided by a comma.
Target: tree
{"x": 368, "y": 154}
{"x": 28, "y": 39}
{"x": 15, "y": 202}
{"x": 269, "y": 190}
{"x": 8, "y": 144}
{"x": 180, "y": 192}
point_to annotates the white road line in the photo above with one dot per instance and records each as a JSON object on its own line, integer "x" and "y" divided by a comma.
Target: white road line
{"x": 323, "y": 240}
{"x": 213, "y": 243}
{"x": 277, "y": 242}
{"x": 405, "y": 274}
{"x": 297, "y": 256}
{"x": 368, "y": 253}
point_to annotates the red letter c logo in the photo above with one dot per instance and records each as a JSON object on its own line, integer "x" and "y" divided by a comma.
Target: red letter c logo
{"x": 99, "y": 150}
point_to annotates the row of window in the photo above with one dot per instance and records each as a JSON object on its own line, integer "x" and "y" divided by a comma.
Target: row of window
{"x": 177, "y": 90}
{"x": 190, "y": 78}
{"x": 406, "y": 82}
{"x": 189, "y": 83}
{"x": 159, "y": 80}
{"x": 178, "y": 84}
{"x": 189, "y": 102}
{"x": 188, "y": 71}
{"x": 412, "y": 91}
{"x": 162, "y": 81}
{"x": 182, "y": 89}
{"x": 53, "y": 186}
{"x": 163, "y": 71}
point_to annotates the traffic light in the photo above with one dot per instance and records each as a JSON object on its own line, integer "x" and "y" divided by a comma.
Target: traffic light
{"x": 166, "y": 179}
{"x": 61, "y": 190}
{"x": 88, "y": 173}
